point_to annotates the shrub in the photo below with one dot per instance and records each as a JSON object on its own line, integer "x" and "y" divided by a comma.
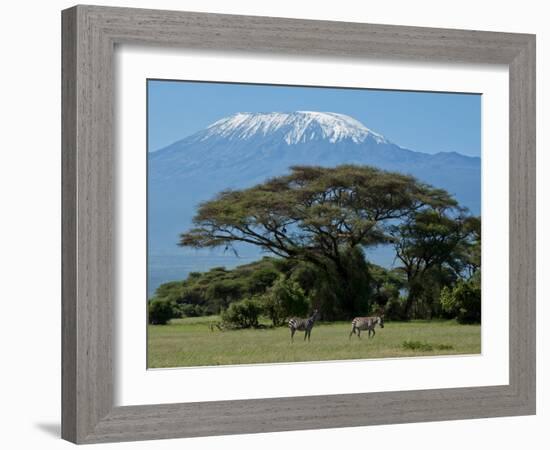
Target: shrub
{"x": 261, "y": 279}
{"x": 161, "y": 311}
{"x": 395, "y": 309}
{"x": 425, "y": 346}
{"x": 464, "y": 300}
{"x": 243, "y": 314}
{"x": 189, "y": 310}
{"x": 417, "y": 345}
{"x": 170, "y": 291}
{"x": 222, "y": 292}
{"x": 284, "y": 299}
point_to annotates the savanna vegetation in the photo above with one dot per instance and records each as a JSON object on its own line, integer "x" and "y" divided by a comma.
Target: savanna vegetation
{"x": 189, "y": 342}
{"x": 317, "y": 226}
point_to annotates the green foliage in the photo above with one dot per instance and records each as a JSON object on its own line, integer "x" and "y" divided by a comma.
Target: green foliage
{"x": 428, "y": 292}
{"x": 385, "y": 287}
{"x": 171, "y": 290}
{"x": 210, "y": 292}
{"x": 190, "y": 310}
{"x": 354, "y": 294}
{"x": 395, "y": 309}
{"x": 317, "y": 223}
{"x": 434, "y": 247}
{"x": 463, "y": 300}
{"x": 161, "y": 311}
{"x": 425, "y": 346}
{"x": 262, "y": 279}
{"x": 243, "y": 314}
{"x": 320, "y": 216}
{"x": 293, "y": 214}
{"x": 341, "y": 289}
{"x": 285, "y": 299}
{"x": 222, "y": 292}
{"x": 473, "y": 252}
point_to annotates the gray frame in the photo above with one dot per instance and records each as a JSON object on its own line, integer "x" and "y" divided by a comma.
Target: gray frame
{"x": 90, "y": 34}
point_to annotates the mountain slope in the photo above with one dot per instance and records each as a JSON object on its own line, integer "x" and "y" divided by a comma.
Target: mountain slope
{"x": 245, "y": 148}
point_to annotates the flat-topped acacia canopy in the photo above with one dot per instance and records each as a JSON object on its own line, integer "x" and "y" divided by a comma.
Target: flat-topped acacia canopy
{"x": 313, "y": 212}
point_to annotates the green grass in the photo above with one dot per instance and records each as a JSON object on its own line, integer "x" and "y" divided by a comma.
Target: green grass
{"x": 189, "y": 342}
{"x": 425, "y": 346}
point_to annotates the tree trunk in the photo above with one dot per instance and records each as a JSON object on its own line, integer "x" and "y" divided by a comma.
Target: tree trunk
{"x": 353, "y": 289}
{"x": 347, "y": 282}
{"x": 411, "y": 300}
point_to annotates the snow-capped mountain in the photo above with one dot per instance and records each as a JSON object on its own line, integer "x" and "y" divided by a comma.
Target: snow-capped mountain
{"x": 247, "y": 148}
{"x": 292, "y": 128}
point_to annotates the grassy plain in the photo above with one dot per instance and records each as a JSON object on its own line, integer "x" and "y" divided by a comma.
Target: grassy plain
{"x": 190, "y": 342}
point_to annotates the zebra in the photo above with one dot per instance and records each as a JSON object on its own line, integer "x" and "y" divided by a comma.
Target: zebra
{"x": 296, "y": 323}
{"x": 366, "y": 323}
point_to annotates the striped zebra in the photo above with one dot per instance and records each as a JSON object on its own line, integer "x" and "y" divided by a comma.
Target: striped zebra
{"x": 366, "y": 323}
{"x": 298, "y": 324}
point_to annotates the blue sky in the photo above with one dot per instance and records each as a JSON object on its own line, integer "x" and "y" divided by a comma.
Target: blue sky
{"x": 421, "y": 121}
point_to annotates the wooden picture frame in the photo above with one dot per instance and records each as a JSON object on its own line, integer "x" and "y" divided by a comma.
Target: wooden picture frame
{"x": 90, "y": 34}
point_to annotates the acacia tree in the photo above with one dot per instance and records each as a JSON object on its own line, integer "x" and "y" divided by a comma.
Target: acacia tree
{"x": 316, "y": 215}
{"x": 222, "y": 292}
{"x": 473, "y": 251}
{"x": 431, "y": 245}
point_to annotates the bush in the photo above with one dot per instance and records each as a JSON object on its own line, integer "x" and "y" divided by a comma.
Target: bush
{"x": 222, "y": 292}
{"x": 395, "y": 309}
{"x": 284, "y": 299}
{"x": 384, "y": 296}
{"x": 189, "y": 310}
{"x": 463, "y": 300}
{"x": 425, "y": 346}
{"x": 161, "y": 311}
{"x": 170, "y": 291}
{"x": 243, "y": 314}
{"x": 261, "y": 279}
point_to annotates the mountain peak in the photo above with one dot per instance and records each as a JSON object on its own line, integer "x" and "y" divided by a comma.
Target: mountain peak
{"x": 293, "y": 127}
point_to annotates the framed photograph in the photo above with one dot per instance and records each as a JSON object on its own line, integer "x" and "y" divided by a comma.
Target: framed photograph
{"x": 277, "y": 224}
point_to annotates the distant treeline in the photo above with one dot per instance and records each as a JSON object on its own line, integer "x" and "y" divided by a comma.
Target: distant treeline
{"x": 318, "y": 223}
{"x": 278, "y": 289}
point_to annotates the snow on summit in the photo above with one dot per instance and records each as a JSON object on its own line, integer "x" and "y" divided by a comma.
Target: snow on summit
{"x": 295, "y": 127}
